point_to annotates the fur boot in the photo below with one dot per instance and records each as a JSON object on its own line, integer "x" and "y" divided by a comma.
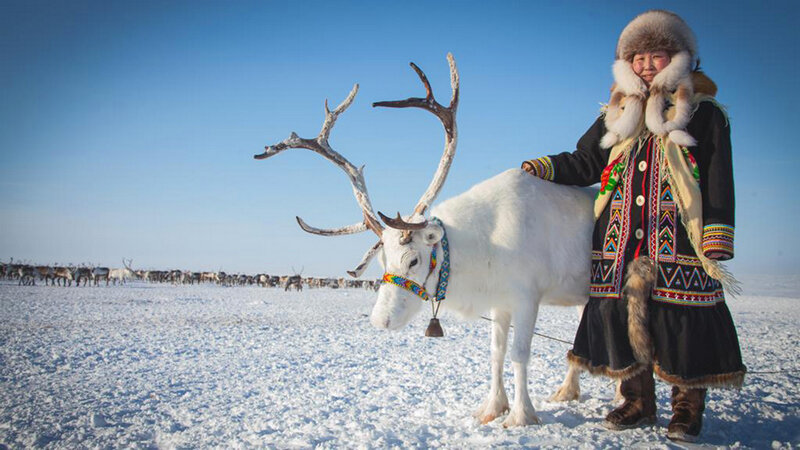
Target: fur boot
{"x": 640, "y": 403}
{"x": 687, "y": 418}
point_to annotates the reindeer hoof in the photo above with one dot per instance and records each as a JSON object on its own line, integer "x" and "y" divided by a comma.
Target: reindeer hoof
{"x": 521, "y": 419}
{"x": 564, "y": 395}
{"x": 487, "y": 419}
{"x": 488, "y": 413}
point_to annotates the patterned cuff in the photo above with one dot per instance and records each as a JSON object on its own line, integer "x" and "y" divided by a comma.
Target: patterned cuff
{"x": 718, "y": 239}
{"x": 542, "y": 168}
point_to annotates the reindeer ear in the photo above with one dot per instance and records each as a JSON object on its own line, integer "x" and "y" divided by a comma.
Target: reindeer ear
{"x": 432, "y": 234}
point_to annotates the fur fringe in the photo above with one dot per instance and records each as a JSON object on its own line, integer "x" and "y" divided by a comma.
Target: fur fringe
{"x": 639, "y": 280}
{"x": 720, "y": 272}
{"x": 622, "y": 374}
{"x": 732, "y": 380}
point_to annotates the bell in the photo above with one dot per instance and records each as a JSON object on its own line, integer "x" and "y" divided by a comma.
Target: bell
{"x": 434, "y": 329}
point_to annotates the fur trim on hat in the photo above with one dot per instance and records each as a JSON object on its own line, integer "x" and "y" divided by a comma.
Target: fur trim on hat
{"x": 656, "y": 30}
{"x": 639, "y": 280}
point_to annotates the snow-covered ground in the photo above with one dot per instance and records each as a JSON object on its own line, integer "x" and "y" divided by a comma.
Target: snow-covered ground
{"x": 157, "y": 366}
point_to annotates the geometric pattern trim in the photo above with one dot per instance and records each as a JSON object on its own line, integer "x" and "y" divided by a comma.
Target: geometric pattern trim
{"x": 666, "y": 226}
{"x": 718, "y": 238}
{"x": 616, "y": 222}
{"x": 686, "y": 283}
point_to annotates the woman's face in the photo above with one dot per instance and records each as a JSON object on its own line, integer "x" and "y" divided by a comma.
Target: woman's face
{"x": 648, "y": 65}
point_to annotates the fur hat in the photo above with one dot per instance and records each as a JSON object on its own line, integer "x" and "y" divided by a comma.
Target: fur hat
{"x": 631, "y": 97}
{"x": 656, "y": 30}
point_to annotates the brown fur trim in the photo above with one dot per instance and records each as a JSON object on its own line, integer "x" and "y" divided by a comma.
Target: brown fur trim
{"x": 621, "y": 374}
{"x": 732, "y": 380}
{"x": 683, "y": 93}
{"x": 639, "y": 280}
{"x": 703, "y": 84}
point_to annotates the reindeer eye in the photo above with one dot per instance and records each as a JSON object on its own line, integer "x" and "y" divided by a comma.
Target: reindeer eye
{"x": 413, "y": 262}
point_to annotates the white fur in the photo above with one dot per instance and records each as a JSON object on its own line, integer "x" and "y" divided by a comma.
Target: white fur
{"x": 682, "y": 138}
{"x": 683, "y": 108}
{"x": 677, "y": 70}
{"x": 626, "y": 78}
{"x": 654, "y": 115}
{"x": 623, "y": 122}
{"x": 609, "y": 140}
{"x": 628, "y": 121}
{"x": 676, "y": 73}
{"x": 516, "y": 242}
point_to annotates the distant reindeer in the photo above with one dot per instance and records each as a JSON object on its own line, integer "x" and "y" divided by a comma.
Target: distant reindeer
{"x": 62, "y": 275}
{"x": 27, "y": 275}
{"x": 294, "y": 281}
{"x": 82, "y": 273}
{"x": 100, "y": 273}
{"x": 209, "y": 277}
{"x": 121, "y": 276}
{"x": 262, "y": 280}
{"x": 44, "y": 273}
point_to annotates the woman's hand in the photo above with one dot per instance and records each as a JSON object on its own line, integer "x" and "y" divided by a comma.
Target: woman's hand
{"x": 528, "y": 167}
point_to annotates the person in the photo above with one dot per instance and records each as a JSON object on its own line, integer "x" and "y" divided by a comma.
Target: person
{"x": 664, "y": 213}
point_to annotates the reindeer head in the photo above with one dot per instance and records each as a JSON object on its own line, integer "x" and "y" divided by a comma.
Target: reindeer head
{"x": 405, "y": 247}
{"x": 410, "y": 272}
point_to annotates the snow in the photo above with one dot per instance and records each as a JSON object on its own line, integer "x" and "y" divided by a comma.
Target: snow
{"x": 160, "y": 366}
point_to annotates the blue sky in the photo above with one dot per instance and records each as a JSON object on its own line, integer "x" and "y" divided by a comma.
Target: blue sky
{"x": 127, "y": 129}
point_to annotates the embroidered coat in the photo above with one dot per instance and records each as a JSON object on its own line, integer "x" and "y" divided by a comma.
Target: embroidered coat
{"x": 694, "y": 341}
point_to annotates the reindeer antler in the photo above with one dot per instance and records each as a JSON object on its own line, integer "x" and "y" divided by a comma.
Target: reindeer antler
{"x": 320, "y": 145}
{"x": 448, "y": 118}
{"x": 399, "y": 224}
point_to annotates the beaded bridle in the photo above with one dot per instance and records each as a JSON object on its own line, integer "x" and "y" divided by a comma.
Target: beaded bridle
{"x": 444, "y": 275}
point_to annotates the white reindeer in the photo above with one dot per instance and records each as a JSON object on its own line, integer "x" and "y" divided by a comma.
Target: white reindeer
{"x": 515, "y": 241}
{"x": 121, "y": 276}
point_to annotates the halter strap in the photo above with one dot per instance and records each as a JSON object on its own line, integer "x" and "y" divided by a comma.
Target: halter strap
{"x": 444, "y": 273}
{"x": 407, "y": 284}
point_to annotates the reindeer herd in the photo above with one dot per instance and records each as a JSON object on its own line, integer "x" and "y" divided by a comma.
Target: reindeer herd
{"x": 29, "y": 274}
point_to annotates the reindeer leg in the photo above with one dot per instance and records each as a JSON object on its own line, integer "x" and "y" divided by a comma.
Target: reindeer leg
{"x": 570, "y": 389}
{"x": 522, "y": 411}
{"x": 496, "y": 403}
